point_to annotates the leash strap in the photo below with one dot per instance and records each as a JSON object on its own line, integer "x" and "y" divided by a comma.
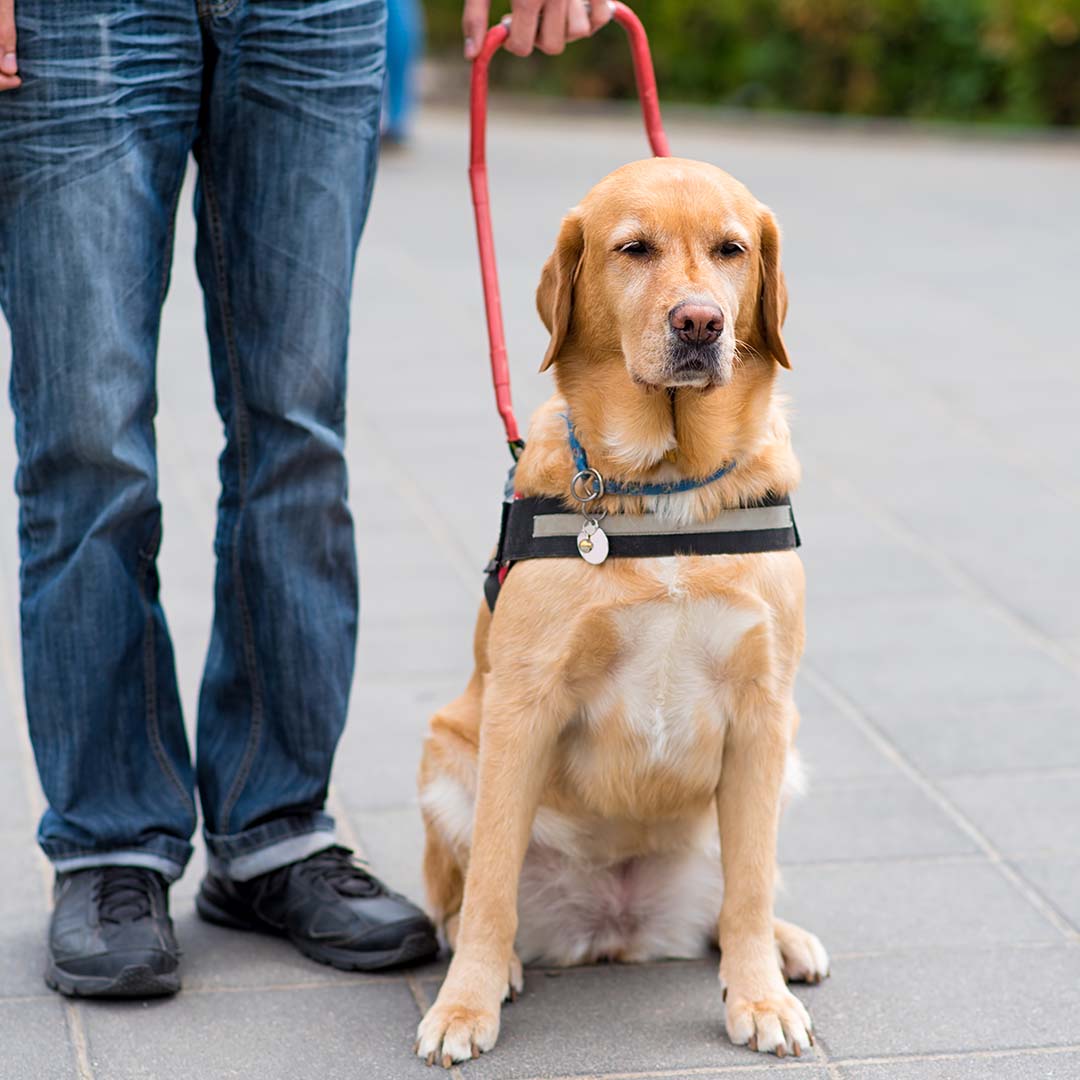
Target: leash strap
{"x": 542, "y": 528}
{"x": 650, "y": 110}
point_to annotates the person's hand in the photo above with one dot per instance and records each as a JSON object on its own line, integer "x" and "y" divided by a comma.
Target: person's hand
{"x": 546, "y": 24}
{"x": 9, "y": 66}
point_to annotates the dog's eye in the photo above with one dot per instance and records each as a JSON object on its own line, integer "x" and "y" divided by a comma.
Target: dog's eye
{"x": 635, "y": 247}
{"x": 728, "y": 249}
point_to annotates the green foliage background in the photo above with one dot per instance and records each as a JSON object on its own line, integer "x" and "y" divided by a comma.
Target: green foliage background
{"x": 1015, "y": 61}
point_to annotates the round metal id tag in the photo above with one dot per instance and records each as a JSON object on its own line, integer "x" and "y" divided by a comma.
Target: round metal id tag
{"x": 592, "y": 543}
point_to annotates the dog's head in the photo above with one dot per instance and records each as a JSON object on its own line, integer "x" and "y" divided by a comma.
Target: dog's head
{"x": 673, "y": 264}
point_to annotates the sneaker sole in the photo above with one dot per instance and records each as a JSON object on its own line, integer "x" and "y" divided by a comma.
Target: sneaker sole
{"x": 414, "y": 948}
{"x": 134, "y": 981}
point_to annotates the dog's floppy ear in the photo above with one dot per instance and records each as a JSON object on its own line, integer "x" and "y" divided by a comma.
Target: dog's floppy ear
{"x": 773, "y": 303}
{"x": 555, "y": 294}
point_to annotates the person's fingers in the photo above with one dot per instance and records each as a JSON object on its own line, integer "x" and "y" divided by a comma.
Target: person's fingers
{"x": 552, "y": 36}
{"x": 474, "y": 24}
{"x": 600, "y": 14}
{"x": 577, "y": 20}
{"x": 524, "y": 15}
{"x": 9, "y": 64}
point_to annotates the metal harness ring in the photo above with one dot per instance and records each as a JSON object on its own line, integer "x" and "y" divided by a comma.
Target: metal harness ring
{"x": 587, "y": 486}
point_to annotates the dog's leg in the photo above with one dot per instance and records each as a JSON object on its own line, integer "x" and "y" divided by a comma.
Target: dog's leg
{"x": 759, "y": 1008}
{"x": 443, "y": 878}
{"x": 515, "y": 977}
{"x": 515, "y": 754}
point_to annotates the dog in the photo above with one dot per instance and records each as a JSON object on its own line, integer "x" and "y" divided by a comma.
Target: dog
{"x": 610, "y": 782}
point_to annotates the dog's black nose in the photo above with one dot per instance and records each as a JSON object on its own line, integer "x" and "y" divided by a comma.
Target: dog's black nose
{"x": 696, "y": 324}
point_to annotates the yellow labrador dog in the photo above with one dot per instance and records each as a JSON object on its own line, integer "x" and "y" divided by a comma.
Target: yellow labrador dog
{"x": 610, "y": 782}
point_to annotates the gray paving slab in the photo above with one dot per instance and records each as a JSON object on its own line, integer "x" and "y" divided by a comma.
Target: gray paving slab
{"x": 832, "y": 748}
{"x": 1025, "y": 814}
{"x": 879, "y": 819}
{"x": 964, "y": 678}
{"x": 909, "y": 904}
{"x": 271, "y": 1034}
{"x": 996, "y": 738}
{"x": 1058, "y": 879}
{"x": 23, "y": 916}
{"x": 34, "y": 1042}
{"x": 615, "y": 1020}
{"x": 1029, "y": 1065}
{"x": 951, "y": 1000}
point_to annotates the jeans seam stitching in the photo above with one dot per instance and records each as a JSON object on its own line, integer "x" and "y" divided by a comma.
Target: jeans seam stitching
{"x": 170, "y": 243}
{"x": 240, "y": 420}
{"x": 153, "y": 728}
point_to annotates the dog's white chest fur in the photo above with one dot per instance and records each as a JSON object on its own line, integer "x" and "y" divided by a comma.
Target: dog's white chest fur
{"x": 666, "y": 688}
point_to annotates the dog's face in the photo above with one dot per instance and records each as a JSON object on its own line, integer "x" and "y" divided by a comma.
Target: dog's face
{"x": 674, "y": 264}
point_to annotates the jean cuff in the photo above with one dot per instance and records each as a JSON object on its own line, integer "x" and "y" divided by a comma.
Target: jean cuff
{"x": 168, "y": 868}
{"x": 243, "y": 856}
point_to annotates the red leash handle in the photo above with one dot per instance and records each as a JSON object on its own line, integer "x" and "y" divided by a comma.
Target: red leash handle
{"x": 650, "y": 109}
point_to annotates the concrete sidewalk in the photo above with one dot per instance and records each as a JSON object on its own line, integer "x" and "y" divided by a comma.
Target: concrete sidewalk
{"x": 936, "y": 391}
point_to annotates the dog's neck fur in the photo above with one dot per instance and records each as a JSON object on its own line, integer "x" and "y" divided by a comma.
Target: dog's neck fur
{"x": 637, "y": 433}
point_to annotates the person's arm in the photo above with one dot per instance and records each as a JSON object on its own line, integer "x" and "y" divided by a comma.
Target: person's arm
{"x": 9, "y": 66}
{"x": 546, "y": 24}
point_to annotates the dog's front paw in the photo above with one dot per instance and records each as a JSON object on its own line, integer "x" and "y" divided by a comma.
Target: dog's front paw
{"x": 774, "y": 1023}
{"x": 454, "y": 1031}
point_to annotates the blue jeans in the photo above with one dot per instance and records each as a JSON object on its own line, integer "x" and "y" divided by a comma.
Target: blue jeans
{"x": 279, "y": 100}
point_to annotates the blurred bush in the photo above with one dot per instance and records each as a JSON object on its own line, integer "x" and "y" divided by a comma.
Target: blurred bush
{"x": 1016, "y": 61}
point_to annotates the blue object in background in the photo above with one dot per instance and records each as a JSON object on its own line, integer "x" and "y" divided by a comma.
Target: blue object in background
{"x": 404, "y": 43}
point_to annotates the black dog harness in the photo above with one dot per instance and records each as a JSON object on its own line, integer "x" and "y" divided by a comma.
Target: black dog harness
{"x": 542, "y": 528}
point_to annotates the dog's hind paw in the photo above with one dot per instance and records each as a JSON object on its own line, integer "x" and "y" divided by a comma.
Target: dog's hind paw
{"x": 451, "y": 1033}
{"x": 515, "y": 979}
{"x": 802, "y": 956}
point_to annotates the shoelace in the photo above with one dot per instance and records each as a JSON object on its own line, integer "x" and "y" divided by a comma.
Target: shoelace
{"x": 337, "y": 868}
{"x": 124, "y": 894}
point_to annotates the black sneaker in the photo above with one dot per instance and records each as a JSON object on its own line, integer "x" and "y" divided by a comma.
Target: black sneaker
{"x": 111, "y": 935}
{"x": 333, "y": 910}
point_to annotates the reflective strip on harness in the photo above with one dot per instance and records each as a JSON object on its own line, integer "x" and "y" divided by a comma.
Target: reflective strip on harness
{"x": 742, "y": 520}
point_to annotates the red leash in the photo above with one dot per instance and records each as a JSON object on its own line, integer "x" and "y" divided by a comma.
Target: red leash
{"x": 650, "y": 109}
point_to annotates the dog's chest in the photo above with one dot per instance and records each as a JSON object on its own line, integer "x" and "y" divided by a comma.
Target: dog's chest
{"x": 663, "y": 704}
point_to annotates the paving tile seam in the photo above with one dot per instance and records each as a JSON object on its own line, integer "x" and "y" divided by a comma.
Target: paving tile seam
{"x": 302, "y": 987}
{"x": 937, "y": 558}
{"x": 423, "y": 1003}
{"x": 80, "y": 1047}
{"x": 940, "y": 948}
{"x": 853, "y": 783}
{"x": 958, "y": 1055}
{"x": 812, "y": 1063}
{"x": 1052, "y": 772}
{"x": 698, "y": 1070}
{"x": 892, "y": 753}
{"x": 23, "y": 999}
{"x": 1004, "y": 855}
{"x": 960, "y": 858}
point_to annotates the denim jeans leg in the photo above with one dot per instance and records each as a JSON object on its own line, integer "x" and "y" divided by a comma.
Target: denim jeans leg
{"x": 286, "y": 150}
{"x": 93, "y": 148}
